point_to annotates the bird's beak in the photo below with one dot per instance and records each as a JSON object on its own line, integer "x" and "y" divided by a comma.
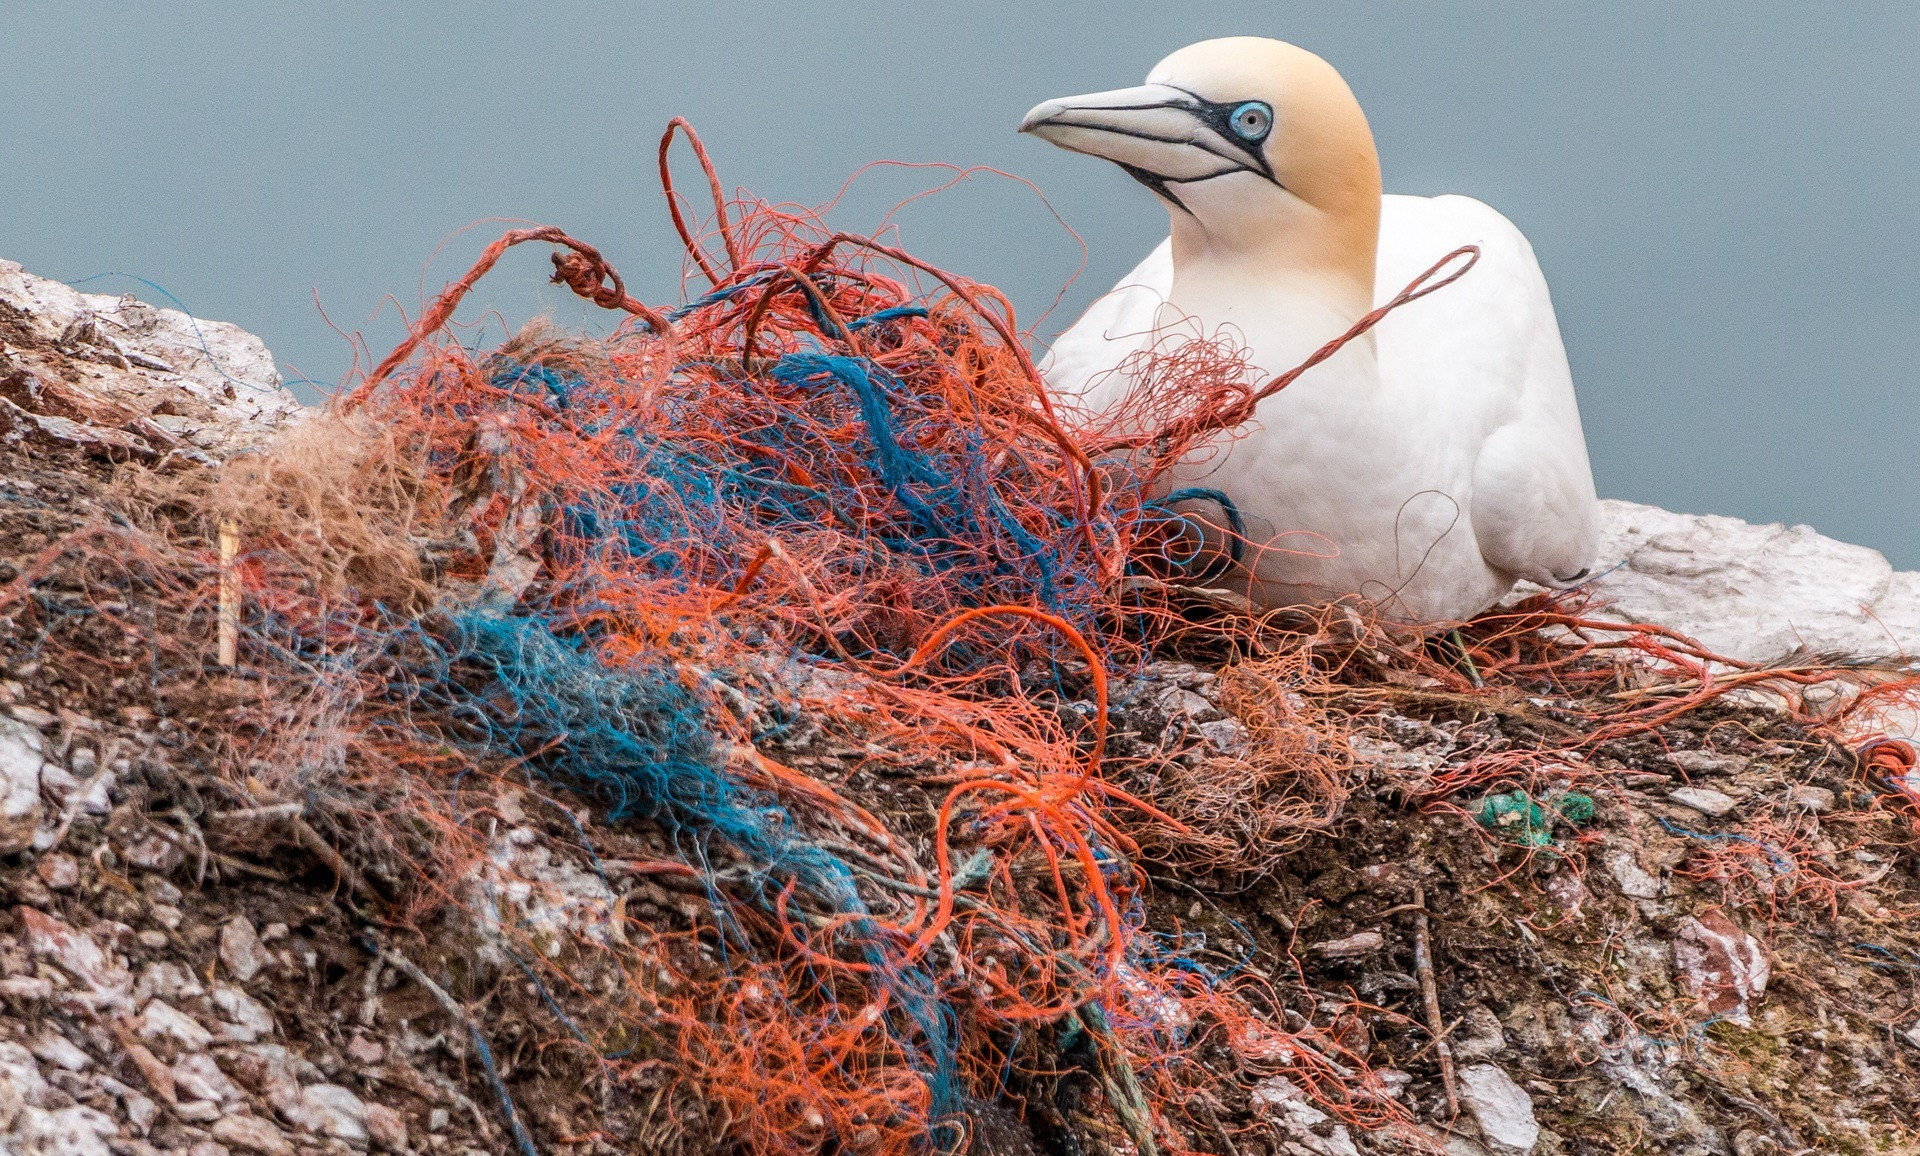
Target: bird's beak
{"x": 1153, "y": 131}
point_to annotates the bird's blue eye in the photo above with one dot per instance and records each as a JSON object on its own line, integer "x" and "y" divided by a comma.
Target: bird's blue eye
{"x": 1252, "y": 121}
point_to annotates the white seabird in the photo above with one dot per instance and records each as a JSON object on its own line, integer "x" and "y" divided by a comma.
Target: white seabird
{"x": 1427, "y": 466}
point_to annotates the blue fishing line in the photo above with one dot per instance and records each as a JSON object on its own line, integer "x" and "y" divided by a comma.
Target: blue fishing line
{"x": 894, "y": 313}
{"x": 716, "y": 297}
{"x": 191, "y": 319}
{"x": 638, "y": 739}
{"x": 1781, "y": 863}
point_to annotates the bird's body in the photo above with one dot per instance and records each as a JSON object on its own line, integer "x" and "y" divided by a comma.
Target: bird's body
{"x": 1428, "y": 465}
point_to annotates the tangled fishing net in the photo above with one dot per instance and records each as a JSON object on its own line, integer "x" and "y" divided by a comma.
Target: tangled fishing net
{"x": 829, "y": 491}
{"x": 827, "y": 506}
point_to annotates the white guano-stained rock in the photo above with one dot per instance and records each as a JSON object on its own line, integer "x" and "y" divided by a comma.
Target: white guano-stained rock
{"x": 197, "y": 1111}
{"x": 1759, "y": 593}
{"x": 1634, "y": 881}
{"x": 32, "y": 1122}
{"x": 342, "y": 1115}
{"x": 251, "y": 1134}
{"x": 322, "y": 1109}
{"x": 30, "y": 988}
{"x": 141, "y": 1110}
{"x": 1305, "y": 1127}
{"x": 163, "y": 1021}
{"x": 1725, "y": 968}
{"x": 166, "y": 980}
{"x": 150, "y": 380}
{"x": 245, "y": 1019}
{"x": 1704, "y": 800}
{"x": 241, "y": 950}
{"x": 1751, "y": 592}
{"x": 1502, "y": 1108}
{"x": 198, "y": 1077}
{"x": 105, "y": 982}
{"x": 21, "y": 1084}
{"x": 20, "y": 765}
{"x": 50, "y": 1047}
{"x": 75, "y": 1131}
{"x": 550, "y": 901}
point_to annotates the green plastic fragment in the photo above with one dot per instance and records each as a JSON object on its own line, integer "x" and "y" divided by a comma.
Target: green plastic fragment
{"x": 1574, "y": 807}
{"x": 1517, "y": 816}
{"x": 1527, "y": 823}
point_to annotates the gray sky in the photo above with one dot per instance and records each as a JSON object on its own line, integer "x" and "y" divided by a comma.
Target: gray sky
{"x": 1724, "y": 194}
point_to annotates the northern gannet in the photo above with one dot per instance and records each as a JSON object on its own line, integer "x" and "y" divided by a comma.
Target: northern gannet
{"x": 1427, "y": 466}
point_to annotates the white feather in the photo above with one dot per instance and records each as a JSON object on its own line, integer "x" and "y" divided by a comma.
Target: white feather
{"x": 1427, "y": 468}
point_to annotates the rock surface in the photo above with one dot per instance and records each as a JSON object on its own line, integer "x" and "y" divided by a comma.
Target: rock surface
{"x": 1501, "y": 1108}
{"x": 1754, "y": 593}
{"x": 240, "y": 949}
{"x": 1307, "y": 1130}
{"x": 1724, "y": 967}
{"x": 1704, "y": 800}
{"x": 20, "y": 768}
{"x": 118, "y": 375}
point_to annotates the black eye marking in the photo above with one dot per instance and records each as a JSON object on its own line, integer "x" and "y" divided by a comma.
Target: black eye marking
{"x": 1157, "y": 183}
{"x": 1243, "y": 124}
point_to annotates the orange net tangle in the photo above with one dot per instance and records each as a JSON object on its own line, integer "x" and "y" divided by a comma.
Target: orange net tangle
{"x": 809, "y": 589}
{"x": 825, "y": 506}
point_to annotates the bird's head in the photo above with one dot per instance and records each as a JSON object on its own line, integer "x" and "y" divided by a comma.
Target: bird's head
{"x": 1252, "y": 143}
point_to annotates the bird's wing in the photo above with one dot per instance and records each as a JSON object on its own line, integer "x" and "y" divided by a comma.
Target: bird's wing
{"x": 1483, "y": 361}
{"x": 1081, "y": 363}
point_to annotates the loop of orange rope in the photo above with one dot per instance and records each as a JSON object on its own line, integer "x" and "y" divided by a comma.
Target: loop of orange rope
{"x": 583, "y": 270}
{"x": 734, "y": 258}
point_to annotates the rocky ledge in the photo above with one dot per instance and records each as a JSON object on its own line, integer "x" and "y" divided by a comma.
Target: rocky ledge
{"x": 177, "y": 975}
{"x": 123, "y": 378}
